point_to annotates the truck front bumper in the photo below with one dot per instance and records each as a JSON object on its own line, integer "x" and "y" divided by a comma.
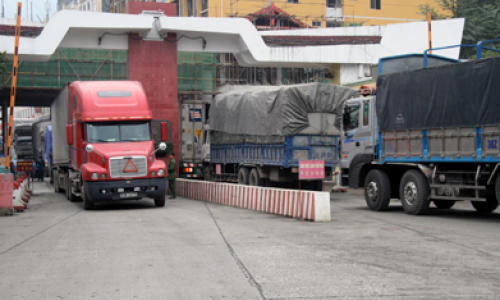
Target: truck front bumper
{"x": 99, "y": 191}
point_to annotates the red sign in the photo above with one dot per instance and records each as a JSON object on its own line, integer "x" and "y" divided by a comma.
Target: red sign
{"x": 311, "y": 169}
{"x": 24, "y": 166}
{"x": 218, "y": 169}
{"x": 129, "y": 167}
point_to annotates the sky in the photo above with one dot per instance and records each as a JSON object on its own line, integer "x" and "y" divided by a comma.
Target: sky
{"x": 39, "y": 9}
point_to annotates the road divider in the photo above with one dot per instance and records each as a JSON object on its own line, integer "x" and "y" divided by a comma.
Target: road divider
{"x": 302, "y": 205}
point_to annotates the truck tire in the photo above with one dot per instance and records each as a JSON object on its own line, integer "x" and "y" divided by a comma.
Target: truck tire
{"x": 377, "y": 190}
{"x": 444, "y": 204}
{"x": 243, "y": 175}
{"x": 71, "y": 197}
{"x": 160, "y": 201}
{"x": 66, "y": 185}
{"x": 414, "y": 192}
{"x": 57, "y": 189}
{"x": 497, "y": 188}
{"x": 488, "y": 206}
{"x": 87, "y": 204}
{"x": 254, "y": 178}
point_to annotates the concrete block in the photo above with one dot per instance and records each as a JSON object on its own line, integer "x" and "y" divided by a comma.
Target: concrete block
{"x": 302, "y": 205}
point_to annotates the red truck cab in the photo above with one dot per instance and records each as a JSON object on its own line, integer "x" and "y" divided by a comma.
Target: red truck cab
{"x": 111, "y": 147}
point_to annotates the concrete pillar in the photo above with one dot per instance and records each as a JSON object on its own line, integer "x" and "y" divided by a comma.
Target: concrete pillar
{"x": 154, "y": 64}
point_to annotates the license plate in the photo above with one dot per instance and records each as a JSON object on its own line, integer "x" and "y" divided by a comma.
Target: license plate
{"x": 128, "y": 195}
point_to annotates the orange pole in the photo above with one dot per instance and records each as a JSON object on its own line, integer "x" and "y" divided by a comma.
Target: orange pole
{"x": 13, "y": 87}
{"x": 429, "y": 26}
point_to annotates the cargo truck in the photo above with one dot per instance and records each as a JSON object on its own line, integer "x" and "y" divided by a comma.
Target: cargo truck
{"x": 103, "y": 149}
{"x": 258, "y": 136}
{"x": 427, "y": 135}
{"x": 193, "y": 115}
{"x": 39, "y": 131}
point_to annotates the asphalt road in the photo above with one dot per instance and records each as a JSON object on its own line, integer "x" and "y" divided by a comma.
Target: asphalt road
{"x": 194, "y": 250}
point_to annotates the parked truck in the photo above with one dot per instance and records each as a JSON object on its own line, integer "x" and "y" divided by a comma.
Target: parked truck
{"x": 39, "y": 131}
{"x": 427, "y": 135}
{"x": 193, "y": 115}
{"x": 103, "y": 149}
{"x": 258, "y": 136}
{"x": 23, "y": 141}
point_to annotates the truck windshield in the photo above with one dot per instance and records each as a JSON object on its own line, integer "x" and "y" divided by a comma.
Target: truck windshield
{"x": 112, "y": 132}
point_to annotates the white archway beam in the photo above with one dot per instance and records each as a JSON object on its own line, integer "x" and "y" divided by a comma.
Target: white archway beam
{"x": 74, "y": 29}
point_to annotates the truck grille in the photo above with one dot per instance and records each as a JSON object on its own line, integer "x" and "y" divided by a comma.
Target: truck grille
{"x": 128, "y": 166}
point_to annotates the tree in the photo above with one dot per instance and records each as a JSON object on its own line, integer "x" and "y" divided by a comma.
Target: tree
{"x": 482, "y": 21}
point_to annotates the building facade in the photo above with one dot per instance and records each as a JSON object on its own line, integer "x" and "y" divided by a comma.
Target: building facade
{"x": 313, "y": 13}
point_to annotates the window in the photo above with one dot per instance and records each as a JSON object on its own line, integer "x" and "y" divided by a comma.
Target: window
{"x": 366, "y": 113}
{"x": 375, "y": 4}
{"x": 334, "y": 3}
{"x": 112, "y": 94}
{"x": 316, "y": 24}
{"x": 293, "y": 1}
{"x": 351, "y": 116}
{"x": 105, "y": 132}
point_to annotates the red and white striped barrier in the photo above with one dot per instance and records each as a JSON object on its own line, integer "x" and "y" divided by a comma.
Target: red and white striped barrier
{"x": 304, "y": 205}
{"x": 6, "y": 204}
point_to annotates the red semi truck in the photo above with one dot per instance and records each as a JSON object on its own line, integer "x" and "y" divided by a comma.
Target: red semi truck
{"x": 103, "y": 148}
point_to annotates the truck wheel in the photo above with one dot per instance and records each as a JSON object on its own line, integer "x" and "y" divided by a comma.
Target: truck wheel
{"x": 243, "y": 175}
{"x": 444, "y": 204}
{"x": 66, "y": 186}
{"x": 57, "y": 189}
{"x": 497, "y": 188}
{"x": 377, "y": 190}
{"x": 414, "y": 192}
{"x": 486, "y": 207}
{"x": 207, "y": 174}
{"x": 254, "y": 179}
{"x": 160, "y": 201}
{"x": 71, "y": 197}
{"x": 87, "y": 205}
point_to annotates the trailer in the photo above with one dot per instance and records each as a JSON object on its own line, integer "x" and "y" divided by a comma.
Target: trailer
{"x": 258, "y": 136}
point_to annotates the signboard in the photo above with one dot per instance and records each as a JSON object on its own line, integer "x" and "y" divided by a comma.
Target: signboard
{"x": 311, "y": 169}
{"x": 218, "y": 169}
{"x": 24, "y": 166}
{"x": 195, "y": 115}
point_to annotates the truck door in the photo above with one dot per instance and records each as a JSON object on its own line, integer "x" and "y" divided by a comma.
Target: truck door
{"x": 357, "y": 130}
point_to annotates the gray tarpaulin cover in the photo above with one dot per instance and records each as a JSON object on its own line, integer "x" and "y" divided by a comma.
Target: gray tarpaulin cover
{"x": 274, "y": 110}
{"x": 456, "y": 95}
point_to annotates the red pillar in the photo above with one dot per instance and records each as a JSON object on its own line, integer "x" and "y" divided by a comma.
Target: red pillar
{"x": 154, "y": 64}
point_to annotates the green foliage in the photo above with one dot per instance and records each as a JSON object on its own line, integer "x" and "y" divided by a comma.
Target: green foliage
{"x": 482, "y": 21}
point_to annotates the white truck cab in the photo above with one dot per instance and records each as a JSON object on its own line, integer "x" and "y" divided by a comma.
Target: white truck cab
{"x": 356, "y": 141}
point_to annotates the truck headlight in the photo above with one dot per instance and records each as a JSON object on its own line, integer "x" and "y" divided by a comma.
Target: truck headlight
{"x": 153, "y": 173}
{"x": 161, "y": 172}
{"x": 103, "y": 176}
{"x": 95, "y": 176}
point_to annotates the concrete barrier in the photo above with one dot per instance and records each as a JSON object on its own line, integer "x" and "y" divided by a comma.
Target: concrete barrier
{"x": 303, "y": 205}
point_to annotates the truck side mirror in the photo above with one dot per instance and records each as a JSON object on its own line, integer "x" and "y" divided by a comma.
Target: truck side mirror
{"x": 69, "y": 134}
{"x": 164, "y": 131}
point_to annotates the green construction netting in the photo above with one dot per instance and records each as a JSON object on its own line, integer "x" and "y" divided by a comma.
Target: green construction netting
{"x": 196, "y": 71}
{"x": 68, "y": 65}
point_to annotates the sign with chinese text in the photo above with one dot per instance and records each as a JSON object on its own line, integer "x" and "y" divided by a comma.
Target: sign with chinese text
{"x": 218, "y": 169}
{"x": 24, "y": 166}
{"x": 311, "y": 169}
